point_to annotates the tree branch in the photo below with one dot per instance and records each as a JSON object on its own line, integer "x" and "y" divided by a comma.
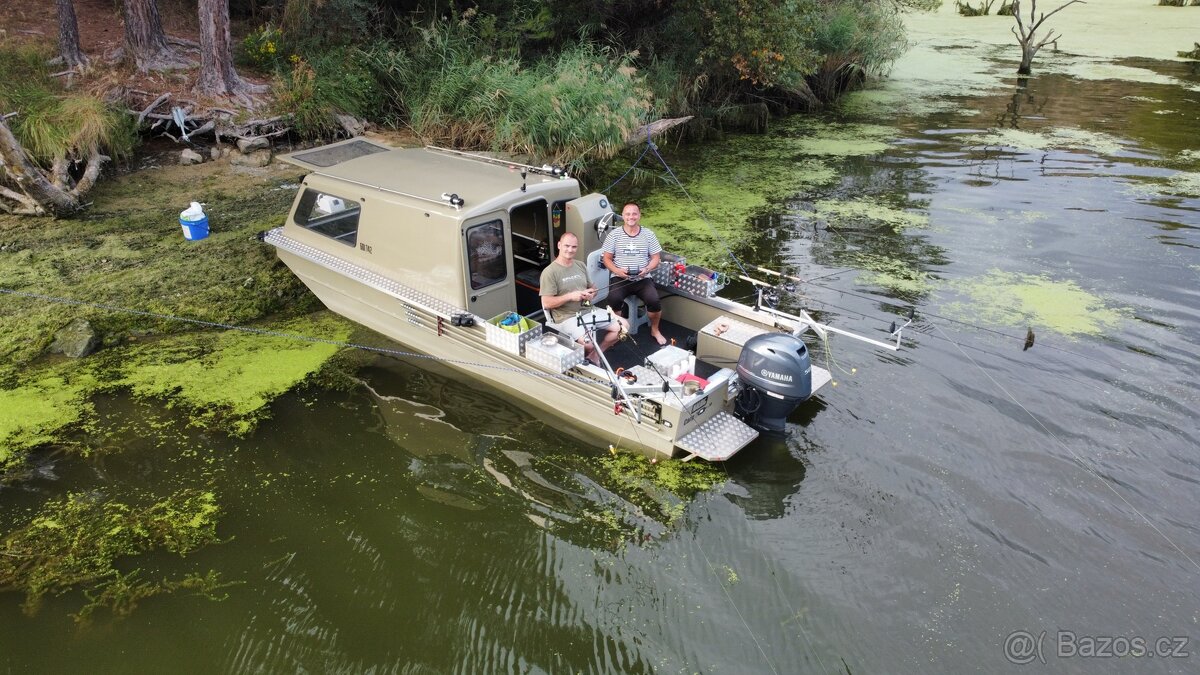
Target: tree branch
{"x": 158, "y": 101}
{"x": 1043, "y": 17}
{"x": 58, "y": 170}
{"x": 31, "y": 206}
{"x": 90, "y": 174}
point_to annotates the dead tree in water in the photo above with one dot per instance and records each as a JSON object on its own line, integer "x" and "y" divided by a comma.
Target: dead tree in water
{"x": 1030, "y": 44}
{"x": 68, "y": 36}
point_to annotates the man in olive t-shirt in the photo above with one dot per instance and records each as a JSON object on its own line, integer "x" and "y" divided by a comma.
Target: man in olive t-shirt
{"x": 565, "y": 287}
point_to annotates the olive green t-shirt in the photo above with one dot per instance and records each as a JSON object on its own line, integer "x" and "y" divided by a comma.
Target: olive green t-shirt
{"x": 557, "y": 280}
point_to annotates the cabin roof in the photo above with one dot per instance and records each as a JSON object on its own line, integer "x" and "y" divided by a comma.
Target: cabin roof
{"x": 422, "y": 173}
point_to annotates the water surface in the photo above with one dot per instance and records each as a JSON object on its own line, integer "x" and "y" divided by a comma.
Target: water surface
{"x": 930, "y": 504}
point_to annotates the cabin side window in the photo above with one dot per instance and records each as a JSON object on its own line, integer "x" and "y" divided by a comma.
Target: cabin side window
{"x": 486, "y": 254}
{"x": 335, "y": 217}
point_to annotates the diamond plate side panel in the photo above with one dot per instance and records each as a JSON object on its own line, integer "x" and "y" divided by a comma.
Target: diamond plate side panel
{"x": 429, "y": 303}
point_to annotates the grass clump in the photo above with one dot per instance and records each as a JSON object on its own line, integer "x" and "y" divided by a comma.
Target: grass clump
{"x": 54, "y": 123}
{"x": 77, "y": 541}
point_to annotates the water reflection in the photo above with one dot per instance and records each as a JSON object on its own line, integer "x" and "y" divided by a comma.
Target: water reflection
{"x": 767, "y": 475}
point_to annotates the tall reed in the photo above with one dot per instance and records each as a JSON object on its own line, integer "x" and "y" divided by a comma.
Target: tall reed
{"x": 449, "y": 88}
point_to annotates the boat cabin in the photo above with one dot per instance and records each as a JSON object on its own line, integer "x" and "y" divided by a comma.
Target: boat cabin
{"x": 472, "y": 231}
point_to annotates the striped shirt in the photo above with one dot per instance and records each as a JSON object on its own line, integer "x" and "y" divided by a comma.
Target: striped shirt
{"x": 632, "y": 253}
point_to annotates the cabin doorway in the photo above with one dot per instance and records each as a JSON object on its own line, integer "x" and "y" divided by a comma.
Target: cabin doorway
{"x": 489, "y": 266}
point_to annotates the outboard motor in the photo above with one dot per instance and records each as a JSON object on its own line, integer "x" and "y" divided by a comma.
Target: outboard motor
{"x": 775, "y": 372}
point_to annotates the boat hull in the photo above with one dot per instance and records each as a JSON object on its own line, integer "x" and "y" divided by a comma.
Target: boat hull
{"x": 585, "y": 410}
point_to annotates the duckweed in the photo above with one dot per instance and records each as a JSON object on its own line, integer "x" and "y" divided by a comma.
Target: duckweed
{"x": 732, "y": 182}
{"x": 75, "y": 542}
{"x": 891, "y": 273}
{"x": 862, "y": 210}
{"x": 128, "y": 251}
{"x": 813, "y": 137}
{"x": 1050, "y": 139}
{"x": 227, "y": 379}
{"x": 223, "y": 380}
{"x": 1009, "y": 299}
{"x": 32, "y": 414}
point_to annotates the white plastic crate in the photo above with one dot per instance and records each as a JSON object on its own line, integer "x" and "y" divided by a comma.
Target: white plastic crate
{"x": 507, "y": 340}
{"x": 554, "y": 351}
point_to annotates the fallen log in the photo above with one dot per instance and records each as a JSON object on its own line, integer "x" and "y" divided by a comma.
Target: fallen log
{"x": 654, "y": 128}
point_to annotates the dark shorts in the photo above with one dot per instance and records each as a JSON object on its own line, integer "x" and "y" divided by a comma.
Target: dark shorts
{"x": 619, "y": 289}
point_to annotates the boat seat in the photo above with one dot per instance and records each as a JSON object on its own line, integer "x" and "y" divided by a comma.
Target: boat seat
{"x": 635, "y": 309}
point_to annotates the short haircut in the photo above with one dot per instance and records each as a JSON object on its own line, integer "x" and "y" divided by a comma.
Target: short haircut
{"x": 629, "y": 204}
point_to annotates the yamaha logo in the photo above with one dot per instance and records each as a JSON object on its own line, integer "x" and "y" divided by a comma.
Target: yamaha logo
{"x": 775, "y": 376}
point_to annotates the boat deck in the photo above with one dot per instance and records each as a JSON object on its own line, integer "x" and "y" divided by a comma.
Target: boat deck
{"x": 634, "y": 350}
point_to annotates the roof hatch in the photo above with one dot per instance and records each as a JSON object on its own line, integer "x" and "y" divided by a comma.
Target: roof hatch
{"x": 315, "y": 159}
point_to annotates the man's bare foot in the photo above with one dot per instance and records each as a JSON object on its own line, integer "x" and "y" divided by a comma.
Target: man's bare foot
{"x": 659, "y": 338}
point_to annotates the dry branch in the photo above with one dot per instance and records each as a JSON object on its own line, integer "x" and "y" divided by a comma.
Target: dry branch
{"x": 1027, "y": 36}
{"x": 157, "y": 102}
{"x": 656, "y": 127}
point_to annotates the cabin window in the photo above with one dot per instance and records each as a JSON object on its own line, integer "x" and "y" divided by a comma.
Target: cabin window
{"x": 335, "y": 217}
{"x": 486, "y": 255}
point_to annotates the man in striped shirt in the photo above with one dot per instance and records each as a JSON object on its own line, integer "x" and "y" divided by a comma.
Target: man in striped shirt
{"x": 630, "y": 253}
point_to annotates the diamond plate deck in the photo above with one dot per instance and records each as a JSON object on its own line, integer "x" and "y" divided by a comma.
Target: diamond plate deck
{"x": 379, "y": 282}
{"x": 718, "y": 439}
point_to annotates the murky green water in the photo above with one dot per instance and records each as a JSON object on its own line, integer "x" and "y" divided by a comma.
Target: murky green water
{"x": 933, "y": 502}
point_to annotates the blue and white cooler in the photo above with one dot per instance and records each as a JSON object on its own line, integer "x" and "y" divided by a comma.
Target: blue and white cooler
{"x": 194, "y": 222}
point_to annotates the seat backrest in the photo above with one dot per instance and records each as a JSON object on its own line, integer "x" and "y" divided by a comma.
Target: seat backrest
{"x": 598, "y": 274}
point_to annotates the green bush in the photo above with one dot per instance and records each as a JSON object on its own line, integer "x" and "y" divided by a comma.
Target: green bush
{"x": 263, "y": 48}
{"x": 336, "y": 81}
{"x": 450, "y": 88}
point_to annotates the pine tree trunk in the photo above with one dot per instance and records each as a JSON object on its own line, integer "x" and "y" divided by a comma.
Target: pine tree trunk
{"x": 217, "y": 76}
{"x": 145, "y": 41}
{"x": 68, "y": 35}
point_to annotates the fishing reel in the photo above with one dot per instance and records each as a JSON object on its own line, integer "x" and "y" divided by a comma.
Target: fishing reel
{"x": 768, "y": 296}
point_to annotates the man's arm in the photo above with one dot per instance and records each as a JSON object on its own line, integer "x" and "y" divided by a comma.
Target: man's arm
{"x": 654, "y": 260}
{"x": 612, "y": 267}
{"x": 556, "y": 301}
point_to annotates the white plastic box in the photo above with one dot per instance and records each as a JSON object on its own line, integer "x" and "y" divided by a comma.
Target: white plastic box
{"x": 507, "y": 340}
{"x": 556, "y": 352}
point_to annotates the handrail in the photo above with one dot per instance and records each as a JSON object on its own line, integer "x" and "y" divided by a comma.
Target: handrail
{"x": 545, "y": 169}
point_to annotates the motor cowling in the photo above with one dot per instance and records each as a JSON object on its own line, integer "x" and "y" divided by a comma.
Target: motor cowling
{"x": 775, "y": 372}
